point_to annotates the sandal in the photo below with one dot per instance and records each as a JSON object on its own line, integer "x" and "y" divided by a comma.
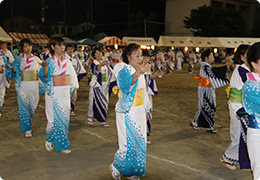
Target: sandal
{"x": 228, "y": 165}
{"x": 114, "y": 174}
{"x": 212, "y": 130}
{"x": 89, "y": 122}
{"x": 194, "y": 126}
{"x": 105, "y": 124}
{"x": 49, "y": 146}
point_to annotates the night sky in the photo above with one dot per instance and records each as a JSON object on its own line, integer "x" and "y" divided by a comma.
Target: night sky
{"x": 109, "y": 16}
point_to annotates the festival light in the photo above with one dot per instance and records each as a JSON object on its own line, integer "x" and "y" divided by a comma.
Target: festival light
{"x": 116, "y": 46}
{"x": 152, "y": 47}
{"x": 172, "y": 48}
{"x": 148, "y": 47}
{"x": 186, "y": 49}
{"x": 197, "y": 49}
{"x": 235, "y": 50}
{"x": 215, "y": 50}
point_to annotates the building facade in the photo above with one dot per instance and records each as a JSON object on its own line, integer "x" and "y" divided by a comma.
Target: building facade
{"x": 177, "y": 10}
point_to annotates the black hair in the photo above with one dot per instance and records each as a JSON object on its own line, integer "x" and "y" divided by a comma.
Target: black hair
{"x": 205, "y": 54}
{"x": 54, "y": 41}
{"x": 128, "y": 51}
{"x": 69, "y": 45}
{"x": 145, "y": 52}
{"x": 253, "y": 54}
{"x": 23, "y": 41}
{"x": 241, "y": 50}
{"x": 96, "y": 49}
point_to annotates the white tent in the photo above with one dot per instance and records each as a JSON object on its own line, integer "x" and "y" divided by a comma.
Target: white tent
{"x": 221, "y": 42}
{"x": 179, "y": 41}
{"x": 4, "y": 36}
{"x": 235, "y": 42}
{"x": 140, "y": 40}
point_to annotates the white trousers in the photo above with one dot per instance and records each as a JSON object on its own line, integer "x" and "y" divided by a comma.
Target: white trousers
{"x": 253, "y": 147}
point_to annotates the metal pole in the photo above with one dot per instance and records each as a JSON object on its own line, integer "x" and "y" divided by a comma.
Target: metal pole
{"x": 145, "y": 35}
{"x": 91, "y": 19}
{"x": 43, "y": 19}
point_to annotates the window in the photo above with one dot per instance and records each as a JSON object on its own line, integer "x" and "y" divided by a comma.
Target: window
{"x": 231, "y": 6}
{"x": 217, "y": 4}
{"x": 243, "y": 8}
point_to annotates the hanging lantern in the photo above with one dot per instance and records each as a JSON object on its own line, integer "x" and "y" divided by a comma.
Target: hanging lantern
{"x": 215, "y": 50}
{"x": 197, "y": 49}
{"x": 186, "y": 48}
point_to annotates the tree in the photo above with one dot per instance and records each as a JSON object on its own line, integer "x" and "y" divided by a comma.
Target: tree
{"x": 212, "y": 21}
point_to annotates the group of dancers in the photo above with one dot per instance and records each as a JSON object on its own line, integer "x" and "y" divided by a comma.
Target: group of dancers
{"x": 57, "y": 77}
{"x": 132, "y": 78}
{"x": 244, "y": 106}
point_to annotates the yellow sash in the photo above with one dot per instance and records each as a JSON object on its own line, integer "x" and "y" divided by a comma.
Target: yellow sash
{"x": 29, "y": 75}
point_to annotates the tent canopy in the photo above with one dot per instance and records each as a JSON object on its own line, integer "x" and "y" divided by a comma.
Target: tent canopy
{"x": 35, "y": 38}
{"x": 205, "y": 41}
{"x": 70, "y": 41}
{"x": 112, "y": 40}
{"x": 140, "y": 40}
{"x": 89, "y": 42}
{"x": 235, "y": 42}
{"x": 188, "y": 41}
{"x": 4, "y": 36}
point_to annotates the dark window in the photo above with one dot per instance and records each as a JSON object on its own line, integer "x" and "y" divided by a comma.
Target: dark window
{"x": 217, "y": 4}
{"x": 243, "y": 9}
{"x": 231, "y": 6}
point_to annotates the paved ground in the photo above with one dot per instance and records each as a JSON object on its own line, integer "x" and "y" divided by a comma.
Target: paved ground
{"x": 177, "y": 151}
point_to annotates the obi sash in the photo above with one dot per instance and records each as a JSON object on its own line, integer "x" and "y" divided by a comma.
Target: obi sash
{"x": 61, "y": 80}
{"x": 104, "y": 77}
{"x": 115, "y": 60}
{"x": 204, "y": 82}
{"x": 138, "y": 98}
{"x": 29, "y": 76}
{"x": 170, "y": 57}
{"x": 227, "y": 60}
{"x": 235, "y": 95}
{"x": 158, "y": 59}
{"x": 179, "y": 56}
{"x": 81, "y": 57}
{"x": 191, "y": 59}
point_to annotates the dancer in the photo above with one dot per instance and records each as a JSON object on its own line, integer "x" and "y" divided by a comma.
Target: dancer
{"x": 114, "y": 58}
{"x": 80, "y": 71}
{"x": 62, "y": 85}
{"x": 25, "y": 70}
{"x": 170, "y": 61}
{"x": 251, "y": 103}
{"x": 209, "y": 78}
{"x": 151, "y": 88}
{"x": 192, "y": 59}
{"x": 238, "y": 78}
{"x": 179, "y": 59}
{"x": 131, "y": 110}
{"x": 5, "y": 75}
{"x": 101, "y": 85}
{"x": 6, "y": 52}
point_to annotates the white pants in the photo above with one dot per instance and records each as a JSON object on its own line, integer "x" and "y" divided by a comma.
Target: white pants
{"x": 253, "y": 147}
{"x": 231, "y": 152}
